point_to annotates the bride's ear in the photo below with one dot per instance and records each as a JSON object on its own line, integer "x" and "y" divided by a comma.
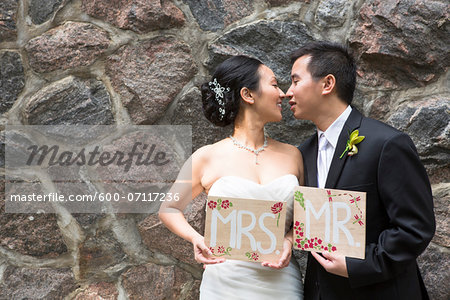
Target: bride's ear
{"x": 247, "y": 95}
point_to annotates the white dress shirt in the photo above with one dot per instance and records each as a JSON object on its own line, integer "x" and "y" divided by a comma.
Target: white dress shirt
{"x": 327, "y": 145}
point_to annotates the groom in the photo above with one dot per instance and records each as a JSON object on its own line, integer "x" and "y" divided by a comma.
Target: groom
{"x": 385, "y": 165}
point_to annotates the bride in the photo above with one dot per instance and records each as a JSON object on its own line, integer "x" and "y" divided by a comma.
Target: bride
{"x": 249, "y": 165}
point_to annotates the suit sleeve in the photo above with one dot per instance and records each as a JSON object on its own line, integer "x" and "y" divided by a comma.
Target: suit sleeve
{"x": 405, "y": 192}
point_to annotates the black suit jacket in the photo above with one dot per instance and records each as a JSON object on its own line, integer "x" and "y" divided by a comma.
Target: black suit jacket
{"x": 399, "y": 217}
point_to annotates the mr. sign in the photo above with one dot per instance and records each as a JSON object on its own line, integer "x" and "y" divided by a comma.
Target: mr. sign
{"x": 330, "y": 220}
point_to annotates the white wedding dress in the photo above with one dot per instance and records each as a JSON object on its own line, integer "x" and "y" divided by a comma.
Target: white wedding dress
{"x": 236, "y": 279}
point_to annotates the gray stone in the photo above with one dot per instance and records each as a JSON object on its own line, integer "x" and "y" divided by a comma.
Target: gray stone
{"x": 151, "y": 281}
{"x": 36, "y": 235}
{"x": 2, "y": 149}
{"x": 12, "y": 79}
{"x": 82, "y": 135}
{"x": 270, "y": 41}
{"x": 402, "y": 43}
{"x": 301, "y": 258}
{"x": 427, "y": 122}
{"x": 181, "y": 283}
{"x": 441, "y": 197}
{"x": 149, "y": 75}
{"x": 145, "y": 173}
{"x": 380, "y": 107}
{"x": 157, "y": 237}
{"x": 189, "y": 111}
{"x": 137, "y": 15}
{"x": 214, "y": 15}
{"x": 143, "y": 179}
{"x": 148, "y": 281}
{"x": 194, "y": 293}
{"x": 434, "y": 264}
{"x": 284, "y": 2}
{"x": 31, "y": 234}
{"x": 360, "y": 97}
{"x": 16, "y": 153}
{"x": 67, "y": 46}
{"x": 75, "y": 100}
{"x": 100, "y": 253}
{"x": 41, "y": 11}
{"x": 14, "y": 187}
{"x": 332, "y": 13}
{"x": 99, "y": 291}
{"x": 87, "y": 220}
{"x": 8, "y": 19}
{"x": 76, "y": 182}
{"x": 22, "y": 283}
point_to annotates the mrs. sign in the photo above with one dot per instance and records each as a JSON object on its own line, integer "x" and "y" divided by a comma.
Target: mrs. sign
{"x": 245, "y": 229}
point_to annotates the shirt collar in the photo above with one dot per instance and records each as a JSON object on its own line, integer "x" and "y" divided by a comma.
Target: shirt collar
{"x": 332, "y": 133}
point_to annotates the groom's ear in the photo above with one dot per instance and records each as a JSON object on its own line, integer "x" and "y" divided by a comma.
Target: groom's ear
{"x": 247, "y": 95}
{"x": 328, "y": 84}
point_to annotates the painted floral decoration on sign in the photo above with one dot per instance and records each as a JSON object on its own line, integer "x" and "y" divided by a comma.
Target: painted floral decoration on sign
{"x": 220, "y": 204}
{"x": 276, "y": 209}
{"x": 298, "y": 196}
{"x": 221, "y": 251}
{"x": 303, "y": 242}
{"x": 252, "y": 256}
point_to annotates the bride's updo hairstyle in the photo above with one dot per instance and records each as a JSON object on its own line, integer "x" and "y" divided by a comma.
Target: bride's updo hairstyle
{"x": 221, "y": 96}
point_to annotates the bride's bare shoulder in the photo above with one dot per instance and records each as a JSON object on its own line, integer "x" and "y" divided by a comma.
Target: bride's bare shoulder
{"x": 206, "y": 152}
{"x": 290, "y": 155}
{"x": 287, "y": 149}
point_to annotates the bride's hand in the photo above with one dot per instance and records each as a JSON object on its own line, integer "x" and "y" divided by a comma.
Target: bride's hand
{"x": 202, "y": 253}
{"x": 284, "y": 259}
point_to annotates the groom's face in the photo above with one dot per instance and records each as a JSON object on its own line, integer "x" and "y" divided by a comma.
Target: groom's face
{"x": 304, "y": 92}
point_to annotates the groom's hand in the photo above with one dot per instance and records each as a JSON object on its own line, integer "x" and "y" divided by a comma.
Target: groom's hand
{"x": 333, "y": 263}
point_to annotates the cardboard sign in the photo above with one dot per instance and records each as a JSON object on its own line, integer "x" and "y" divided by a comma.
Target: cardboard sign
{"x": 245, "y": 229}
{"x": 330, "y": 220}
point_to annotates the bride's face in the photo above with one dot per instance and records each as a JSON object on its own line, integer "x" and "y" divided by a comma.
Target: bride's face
{"x": 269, "y": 97}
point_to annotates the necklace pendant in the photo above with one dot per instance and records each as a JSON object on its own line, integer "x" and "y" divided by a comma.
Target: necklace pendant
{"x": 254, "y": 151}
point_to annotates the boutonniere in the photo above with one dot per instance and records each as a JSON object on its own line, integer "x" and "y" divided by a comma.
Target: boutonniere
{"x": 352, "y": 141}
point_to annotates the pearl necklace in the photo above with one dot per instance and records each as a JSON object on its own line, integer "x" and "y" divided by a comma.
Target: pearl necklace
{"x": 254, "y": 151}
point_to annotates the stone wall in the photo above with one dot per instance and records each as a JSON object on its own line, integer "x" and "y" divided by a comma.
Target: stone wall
{"x": 142, "y": 62}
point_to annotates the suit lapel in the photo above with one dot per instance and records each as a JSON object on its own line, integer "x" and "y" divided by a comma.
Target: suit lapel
{"x": 353, "y": 122}
{"x": 310, "y": 161}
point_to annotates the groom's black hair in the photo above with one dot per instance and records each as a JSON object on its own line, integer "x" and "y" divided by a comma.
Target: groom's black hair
{"x": 330, "y": 58}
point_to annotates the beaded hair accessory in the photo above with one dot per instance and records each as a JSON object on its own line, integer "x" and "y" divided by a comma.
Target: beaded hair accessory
{"x": 218, "y": 91}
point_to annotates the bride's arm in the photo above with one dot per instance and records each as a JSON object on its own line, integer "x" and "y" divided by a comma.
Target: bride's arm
{"x": 285, "y": 257}
{"x": 288, "y": 242}
{"x": 171, "y": 213}
{"x": 301, "y": 168}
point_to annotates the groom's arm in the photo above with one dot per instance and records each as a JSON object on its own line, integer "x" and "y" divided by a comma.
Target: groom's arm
{"x": 405, "y": 192}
